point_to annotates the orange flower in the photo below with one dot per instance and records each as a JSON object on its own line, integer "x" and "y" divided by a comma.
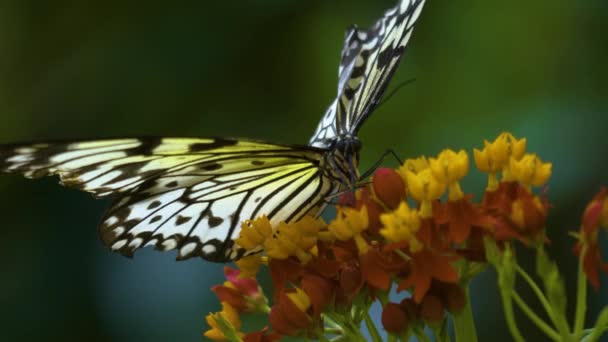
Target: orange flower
{"x": 458, "y": 216}
{"x": 289, "y": 315}
{"x": 425, "y": 267}
{"x": 320, "y": 291}
{"x": 517, "y": 212}
{"x": 594, "y": 217}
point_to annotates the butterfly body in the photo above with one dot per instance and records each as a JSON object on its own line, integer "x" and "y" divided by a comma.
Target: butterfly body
{"x": 191, "y": 194}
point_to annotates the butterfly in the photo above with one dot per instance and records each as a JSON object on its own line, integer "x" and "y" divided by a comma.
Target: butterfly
{"x": 192, "y": 194}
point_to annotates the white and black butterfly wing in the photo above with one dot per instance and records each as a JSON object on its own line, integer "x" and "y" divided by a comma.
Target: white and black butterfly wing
{"x": 368, "y": 61}
{"x": 180, "y": 193}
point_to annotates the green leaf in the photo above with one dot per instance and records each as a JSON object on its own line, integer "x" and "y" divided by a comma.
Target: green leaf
{"x": 601, "y": 326}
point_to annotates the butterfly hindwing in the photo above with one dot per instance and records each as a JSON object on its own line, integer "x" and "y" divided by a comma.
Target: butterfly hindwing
{"x": 180, "y": 193}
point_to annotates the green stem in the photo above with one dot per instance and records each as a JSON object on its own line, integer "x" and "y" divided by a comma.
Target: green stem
{"x": 581, "y": 298}
{"x": 421, "y": 335}
{"x": 322, "y": 338}
{"x": 333, "y": 331}
{"x": 371, "y": 327}
{"x": 539, "y": 294}
{"x": 464, "y": 323}
{"x": 507, "y": 304}
{"x": 544, "y": 327}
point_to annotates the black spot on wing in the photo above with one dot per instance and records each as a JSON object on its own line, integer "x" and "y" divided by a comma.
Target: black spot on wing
{"x": 154, "y": 204}
{"x": 215, "y": 221}
{"x": 182, "y": 219}
{"x": 211, "y": 167}
{"x": 216, "y": 143}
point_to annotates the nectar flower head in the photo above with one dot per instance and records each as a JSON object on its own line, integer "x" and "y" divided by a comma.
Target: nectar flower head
{"x": 530, "y": 170}
{"x": 348, "y": 223}
{"x": 254, "y": 232}
{"x": 414, "y": 165}
{"x": 227, "y": 319}
{"x": 449, "y": 168}
{"x": 250, "y": 265}
{"x": 401, "y": 225}
{"x": 423, "y": 186}
{"x": 294, "y": 239}
{"x": 495, "y": 156}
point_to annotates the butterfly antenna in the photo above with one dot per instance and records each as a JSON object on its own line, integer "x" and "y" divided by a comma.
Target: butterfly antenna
{"x": 380, "y": 160}
{"x": 394, "y": 91}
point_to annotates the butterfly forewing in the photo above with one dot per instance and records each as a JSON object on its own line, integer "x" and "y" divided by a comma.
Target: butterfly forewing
{"x": 368, "y": 61}
{"x": 178, "y": 193}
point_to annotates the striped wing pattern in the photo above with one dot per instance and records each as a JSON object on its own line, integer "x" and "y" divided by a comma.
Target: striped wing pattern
{"x": 180, "y": 193}
{"x": 368, "y": 61}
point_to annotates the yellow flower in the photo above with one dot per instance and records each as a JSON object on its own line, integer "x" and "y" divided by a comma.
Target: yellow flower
{"x": 423, "y": 186}
{"x": 414, "y": 165}
{"x": 402, "y": 225}
{"x": 530, "y": 170}
{"x": 348, "y": 224}
{"x": 294, "y": 239}
{"x": 254, "y": 233}
{"x": 225, "y": 321}
{"x": 450, "y": 167}
{"x": 250, "y": 265}
{"x": 495, "y": 156}
{"x": 300, "y": 299}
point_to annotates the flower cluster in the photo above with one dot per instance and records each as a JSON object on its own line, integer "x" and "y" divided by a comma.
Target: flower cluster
{"x": 411, "y": 229}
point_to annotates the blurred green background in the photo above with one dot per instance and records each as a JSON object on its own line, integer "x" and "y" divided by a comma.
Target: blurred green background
{"x": 267, "y": 69}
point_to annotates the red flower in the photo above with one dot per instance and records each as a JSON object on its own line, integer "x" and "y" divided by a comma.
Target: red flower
{"x": 425, "y": 267}
{"x": 319, "y": 290}
{"x": 374, "y": 209}
{"x": 283, "y": 272}
{"x": 517, "y": 213}
{"x": 389, "y": 187}
{"x": 432, "y": 309}
{"x": 458, "y": 216}
{"x": 289, "y": 315}
{"x": 377, "y": 267}
{"x": 241, "y": 293}
{"x": 262, "y": 336}
{"x": 394, "y": 318}
{"x": 595, "y": 216}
